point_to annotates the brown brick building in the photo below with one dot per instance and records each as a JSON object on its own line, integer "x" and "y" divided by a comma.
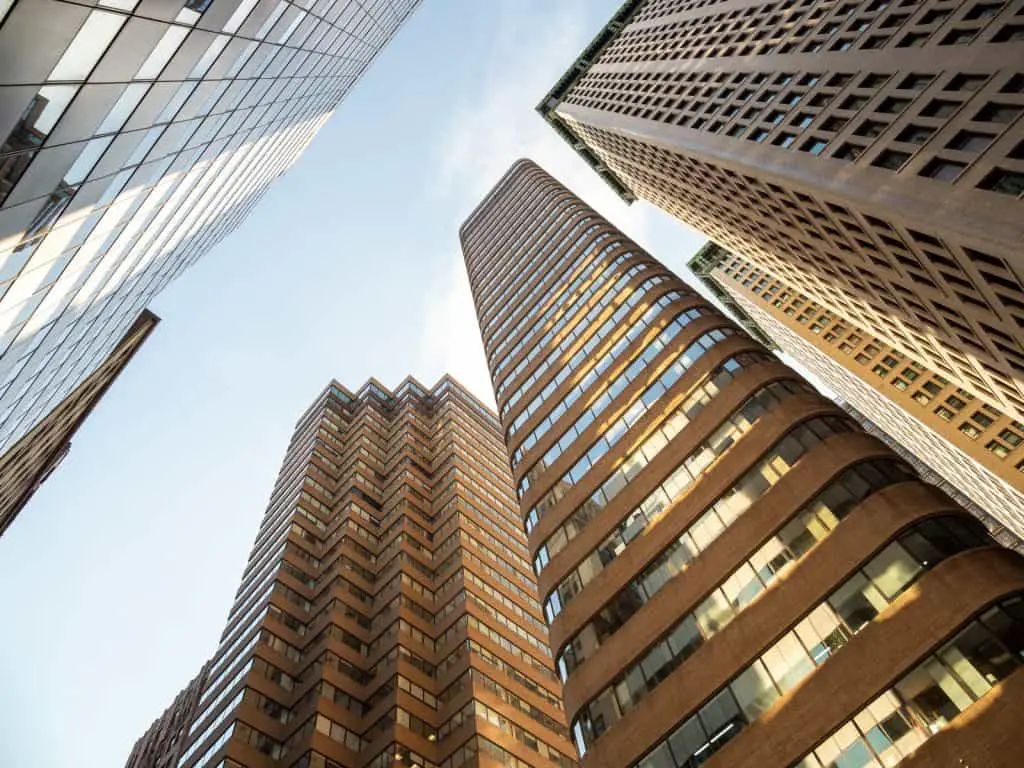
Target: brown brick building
{"x": 734, "y": 573}
{"x": 388, "y": 614}
{"x": 969, "y": 442}
{"x": 31, "y": 460}
{"x": 160, "y": 746}
{"x": 870, "y": 153}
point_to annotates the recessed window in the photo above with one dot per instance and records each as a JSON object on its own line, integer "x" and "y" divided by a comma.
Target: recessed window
{"x": 912, "y": 40}
{"x": 870, "y": 128}
{"x": 982, "y": 419}
{"x": 940, "y": 108}
{"x": 848, "y": 152}
{"x": 944, "y": 413}
{"x": 876, "y": 41}
{"x": 943, "y": 170}
{"x": 998, "y": 113}
{"x": 915, "y": 134}
{"x": 983, "y": 11}
{"x": 893, "y": 105}
{"x": 959, "y": 37}
{"x": 834, "y": 124}
{"x": 970, "y": 141}
{"x": 916, "y": 82}
{"x": 784, "y": 139}
{"x": 966, "y": 82}
{"x": 891, "y": 159}
{"x": 838, "y": 81}
{"x": 1011, "y": 33}
{"x": 758, "y": 135}
{"x": 802, "y": 120}
{"x": 775, "y": 117}
{"x": 1004, "y": 181}
{"x": 814, "y": 146}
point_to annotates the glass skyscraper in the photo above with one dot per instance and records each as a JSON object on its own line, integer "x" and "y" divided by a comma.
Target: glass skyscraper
{"x": 137, "y": 134}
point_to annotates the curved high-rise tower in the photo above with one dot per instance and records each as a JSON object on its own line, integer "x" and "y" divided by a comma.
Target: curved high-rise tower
{"x": 734, "y": 573}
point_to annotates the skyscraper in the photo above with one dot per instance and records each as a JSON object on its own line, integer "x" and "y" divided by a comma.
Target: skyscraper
{"x": 388, "y": 614}
{"x": 870, "y": 153}
{"x": 733, "y": 571}
{"x": 136, "y": 135}
{"x": 32, "y": 459}
{"x": 703, "y": 264}
{"x": 972, "y": 444}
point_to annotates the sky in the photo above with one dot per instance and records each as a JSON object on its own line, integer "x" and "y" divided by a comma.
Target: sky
{"x": 118, "y": 576}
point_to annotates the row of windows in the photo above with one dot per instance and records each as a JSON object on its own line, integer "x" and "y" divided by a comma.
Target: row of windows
{"x": 580, "y": 517}
{"x": 984, "y": 652}
{"x": 568, "y": 299}
{"x": 712, "y": 523}
{"x": 622, "y": 308}
{"x": 641, "y": 403}
{"x": 617, "y": 479}
{"x": 688, "y": 472}
{"x": 930, "y": 696}
{"x": 824, "y": 630}
{"x": 610, "y": 294}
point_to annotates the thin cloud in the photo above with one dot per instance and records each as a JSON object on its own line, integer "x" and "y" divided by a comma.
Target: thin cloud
{"x": 488, "y": 131}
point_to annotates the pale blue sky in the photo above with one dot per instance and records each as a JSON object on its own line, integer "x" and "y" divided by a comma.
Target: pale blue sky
{"x": 116, "y": 580}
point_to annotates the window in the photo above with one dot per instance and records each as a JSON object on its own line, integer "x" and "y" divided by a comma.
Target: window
{"x": 891, "y": 159}
{"x": 970, "y": 430}
{"x": 943, "y": 170}
{"x": 870, "y": 128}
{"x": 940, "y": 108}
{"x": 916, "y": 82}
{"x": 893, "y": 105}
{"x": 1004, "y": 181}
{"x": 848, "y": 152}
{"x": 998, "y": 113}
{"x": 915, "y": 134}
{"x": 1000, "y": 450}
{"x": 971, "y": 141}
{"x": 966, "y": 82}
{"x": 1011, "y": 437}
{"x": 784, "y": 139}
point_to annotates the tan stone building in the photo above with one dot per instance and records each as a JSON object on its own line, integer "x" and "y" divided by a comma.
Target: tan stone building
{"x": 870, "y": 153}
{"x": 33, "y": 458}
{"x": 388, "y": 614}
{"x": 971, "y": 443}
{"x": 734, "y": 573}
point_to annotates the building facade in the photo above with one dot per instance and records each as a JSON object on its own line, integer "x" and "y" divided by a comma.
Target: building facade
{"x": 32, "y": 459}
{"x": 135, "y": 135}
{"x": 971, "y": 443}
{"x": 703, "y": 264}
{"x": 870, "y": 153}
{"x": 388, "y": 614}
{"x": 734, "y": 573}
{"x": 159, "y": 747}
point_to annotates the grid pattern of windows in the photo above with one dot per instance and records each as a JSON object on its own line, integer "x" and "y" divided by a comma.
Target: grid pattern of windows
{"x": 970, "y": 443}
{"x": 389, "y": 568}
{"x": 135, "y": 136}
{"x": 823, "y": 142}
